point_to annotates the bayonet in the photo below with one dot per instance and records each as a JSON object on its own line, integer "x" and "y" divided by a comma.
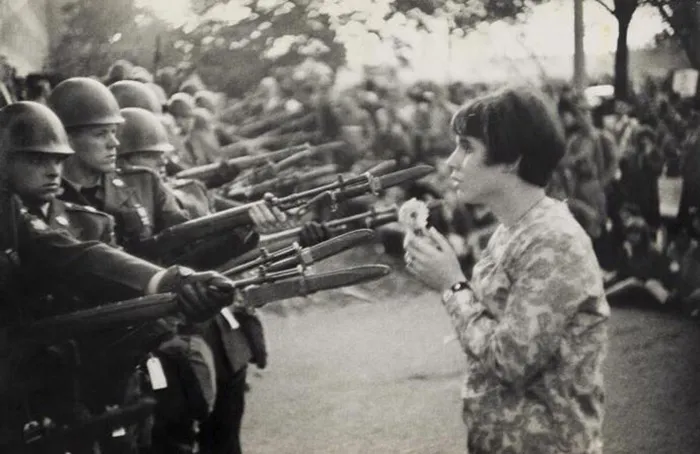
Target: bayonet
{"x": 294, "y": 255}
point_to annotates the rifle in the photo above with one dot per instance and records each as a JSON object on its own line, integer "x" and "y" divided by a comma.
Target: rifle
{"x": 40, "y": 436}
{"x": 296, "y": 124}
{"x": 211, "y": 171}
{"x": 248, "y": 146}
{"x": 258, "y": 127}
{"x": 296, "y": 283}
{"x": 181, "y": 235}
{"x": 280, "y": 184}
{"x": 366, "y": 220}
{"x": 271, "y": 169}
{"x": 294, "y": 254}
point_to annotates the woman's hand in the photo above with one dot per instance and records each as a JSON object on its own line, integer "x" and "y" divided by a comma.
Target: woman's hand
{"x": 432, "y": 260}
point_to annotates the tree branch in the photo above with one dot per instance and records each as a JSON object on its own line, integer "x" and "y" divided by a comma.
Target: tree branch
{"x": 605, "y": 5}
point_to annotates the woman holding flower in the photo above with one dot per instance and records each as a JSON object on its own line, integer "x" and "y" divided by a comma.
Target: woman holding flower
{"x": 532, "y": 317}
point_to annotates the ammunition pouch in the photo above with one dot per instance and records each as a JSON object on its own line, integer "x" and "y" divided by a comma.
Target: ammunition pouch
{"x": 190, "y": 393}
{"x": 252, "y": 329}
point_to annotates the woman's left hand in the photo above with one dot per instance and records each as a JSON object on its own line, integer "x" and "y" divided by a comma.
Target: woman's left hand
{"x": 432, "y": 260}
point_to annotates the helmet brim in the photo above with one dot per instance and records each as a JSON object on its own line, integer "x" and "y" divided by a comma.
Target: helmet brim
{"x": 63, "y": 150}
{"x": 104, "y": 121}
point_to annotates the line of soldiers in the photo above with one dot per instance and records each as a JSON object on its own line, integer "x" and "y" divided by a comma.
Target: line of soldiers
{"x": 87, "y": 181}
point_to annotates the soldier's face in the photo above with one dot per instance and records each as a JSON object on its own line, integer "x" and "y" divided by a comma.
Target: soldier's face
{"x": 96, "y": 147}
{"x": 36, "y": 176}
{"x": 185, "y": 124}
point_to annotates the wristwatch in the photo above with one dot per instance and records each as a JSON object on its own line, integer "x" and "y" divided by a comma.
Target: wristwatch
{"x": 449, "y": 293}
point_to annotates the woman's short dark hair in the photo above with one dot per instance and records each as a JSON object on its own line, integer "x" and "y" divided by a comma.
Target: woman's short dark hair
{"x": 515, "y": 123}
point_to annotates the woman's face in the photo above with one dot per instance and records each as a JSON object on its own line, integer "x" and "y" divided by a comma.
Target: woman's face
{"x": 469, "y": 175}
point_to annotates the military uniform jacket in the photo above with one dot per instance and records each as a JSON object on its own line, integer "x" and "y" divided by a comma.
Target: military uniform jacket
{"x": 192, "y": 197}
{"x": 46, "y": 253}
{"x": 81, "y": 221}
{"x": 137, "y": 198}
{"x": 55, "y": 296}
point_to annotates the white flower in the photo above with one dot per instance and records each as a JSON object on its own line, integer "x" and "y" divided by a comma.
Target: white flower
{"x": 413, "y": 216}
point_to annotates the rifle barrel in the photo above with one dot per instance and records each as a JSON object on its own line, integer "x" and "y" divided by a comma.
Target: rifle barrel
{"x": 278, "y": 183}
{"x": 271, "y": 170}
{"x": 207, "y": 171}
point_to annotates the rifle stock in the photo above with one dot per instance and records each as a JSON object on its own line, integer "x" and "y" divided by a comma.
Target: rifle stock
{"x": 121, "y": 313}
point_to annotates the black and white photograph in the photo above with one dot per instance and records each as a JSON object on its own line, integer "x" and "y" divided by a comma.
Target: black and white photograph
{"x": 349, "y": 226}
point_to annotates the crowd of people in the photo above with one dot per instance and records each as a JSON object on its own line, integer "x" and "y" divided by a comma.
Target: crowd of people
{"x": 99, "y": 158}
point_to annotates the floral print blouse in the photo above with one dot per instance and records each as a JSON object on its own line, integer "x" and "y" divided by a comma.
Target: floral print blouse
{"x": 533, "y": 327}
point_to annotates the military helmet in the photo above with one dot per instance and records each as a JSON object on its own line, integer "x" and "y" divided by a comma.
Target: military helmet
{"x": 142, "y": 131}
{"x": 141, "y": 74}
{"x": 29, "y": 126}
{"x": 159, "y": 93}
{"x": 191, "y": 87}
{"x": 81, "y": 101}
{"x": 206, "y": 99}
{"x": 120, "y": 70}
{"x": 181, "y": 105}
{"x": 130, "y": 93}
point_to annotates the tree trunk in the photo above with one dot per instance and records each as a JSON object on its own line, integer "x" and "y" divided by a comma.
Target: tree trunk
{"x": 694, "y": 48}
{"x": 624, "y": 9}
{"x": 579, "y": 52}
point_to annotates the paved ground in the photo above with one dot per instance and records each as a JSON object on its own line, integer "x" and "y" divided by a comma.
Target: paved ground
{"x": 371, "y": 370}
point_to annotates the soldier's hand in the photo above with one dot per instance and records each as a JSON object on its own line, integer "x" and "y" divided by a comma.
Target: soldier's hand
{"x": 228, "y": 171}
{"x": 269, "y": 218}
{"x": 313, "y": 233}
{"x": 201, "y": 295}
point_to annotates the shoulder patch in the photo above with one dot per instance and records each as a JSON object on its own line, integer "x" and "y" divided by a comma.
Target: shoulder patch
{"x": 39, "y": 225}
{"x": 61, "y": 220}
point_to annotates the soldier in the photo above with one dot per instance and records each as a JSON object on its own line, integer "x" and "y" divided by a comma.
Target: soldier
{"x": 136, "y": 196}
{"x": 141, "y": 74}
{"x": 203, "y": 143}
{"x": 140, "y": 203}
{"x": 143, "y": 141}
{"x": 207, "y": 100}
{"x": 131, "y": 93}
{"x": 120, "y": 70}
{"x": 179, "y": 123}
{"x": 30, "y": 136}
